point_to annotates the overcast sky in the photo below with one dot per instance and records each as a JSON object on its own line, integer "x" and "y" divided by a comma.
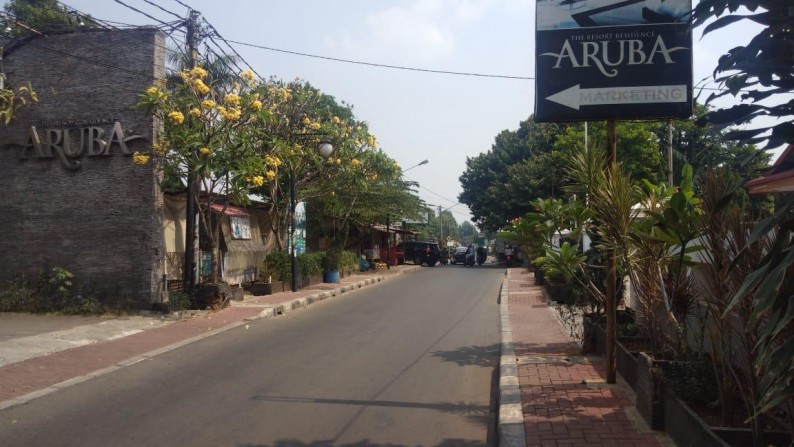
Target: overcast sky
{"x": 443, "y": 118}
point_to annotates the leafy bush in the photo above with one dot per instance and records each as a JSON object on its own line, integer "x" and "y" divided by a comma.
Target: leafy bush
{"x": 19, "y": 296}
{"x": 178, "y": 301}
{"x": 348, "y": 262}
{"x": 310, "y": 264}
{"x": 276, "y": 267}
{"x": 52, "y": 293}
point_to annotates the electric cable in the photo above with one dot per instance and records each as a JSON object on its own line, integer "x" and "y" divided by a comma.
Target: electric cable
{"x": 164, "y": 10}
{"x": 141, "y": 12}
{"x": 373, "y": 64}
{"x": 214, "y": 30}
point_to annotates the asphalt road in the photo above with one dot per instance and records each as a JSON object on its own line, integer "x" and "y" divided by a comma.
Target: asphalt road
{"x": 409, "y": 362}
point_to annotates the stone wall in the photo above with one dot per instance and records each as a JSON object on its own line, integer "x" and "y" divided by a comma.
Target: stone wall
{"x": 72, "y": 197}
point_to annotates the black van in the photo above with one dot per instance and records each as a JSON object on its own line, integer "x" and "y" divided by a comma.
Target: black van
{"x": 419, "y": 252}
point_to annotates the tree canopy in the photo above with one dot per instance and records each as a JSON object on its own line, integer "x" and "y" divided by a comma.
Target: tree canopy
{"x": 758, "y": 72}
{"x": 529, "y": 162}
{"x": 43, "y": 16}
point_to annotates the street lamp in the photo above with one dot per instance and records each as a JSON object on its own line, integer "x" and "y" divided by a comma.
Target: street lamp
{"x": 388, "y": 235}
{"x": 325, "y": 149}
{"x": 423, "y": 162}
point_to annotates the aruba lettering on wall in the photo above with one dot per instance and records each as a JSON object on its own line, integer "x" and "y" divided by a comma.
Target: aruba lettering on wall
{"x": 68, "y": 141}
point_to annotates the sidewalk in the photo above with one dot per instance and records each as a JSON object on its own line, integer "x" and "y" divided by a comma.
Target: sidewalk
{"x": 36, "y": 364}
{"x": 549, "y": 394}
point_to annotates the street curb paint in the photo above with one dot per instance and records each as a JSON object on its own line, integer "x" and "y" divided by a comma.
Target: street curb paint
{"x": 510, "y": 426}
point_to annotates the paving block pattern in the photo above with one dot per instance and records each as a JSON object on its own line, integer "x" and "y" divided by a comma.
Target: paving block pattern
{"x": 565, "y": 400}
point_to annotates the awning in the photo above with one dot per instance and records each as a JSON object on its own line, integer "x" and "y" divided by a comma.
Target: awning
{"x": 230, "y": 210}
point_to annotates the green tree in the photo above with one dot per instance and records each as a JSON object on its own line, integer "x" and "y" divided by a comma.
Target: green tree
{"x": 520, "y": 165}
{"x": 637, "y": 145}
{"x": 44, "y": 16}
{"x": 467, "y": 233}
{"x": 761, "y": 73}
{"x": 201, "y": 133}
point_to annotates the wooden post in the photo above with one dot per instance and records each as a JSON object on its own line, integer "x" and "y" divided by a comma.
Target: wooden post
{"x": 670, "y": 153}
{"x": 611, "y": 308}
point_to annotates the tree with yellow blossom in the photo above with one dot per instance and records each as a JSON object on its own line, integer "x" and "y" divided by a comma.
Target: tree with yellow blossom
{"x": 12, "y": 99}
{"x": 202, "y": 122}
{"x": 300, "y": 117}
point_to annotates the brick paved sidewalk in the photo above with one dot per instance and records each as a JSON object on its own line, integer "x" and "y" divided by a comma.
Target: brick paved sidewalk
{"x": 28, "y": 379}
{"x": 564, "y": 397}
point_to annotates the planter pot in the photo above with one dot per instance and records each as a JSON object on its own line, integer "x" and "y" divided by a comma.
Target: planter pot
{"x": 649, "y": 391}
{"x": 266, "y": 288}
{"x": 538, "y": 277}
{"x": 685, "y": 427}
{"x": 331, "y": 277}
{"x": 740, "y": 437}
{"x": 563, "y": 295}
{"x": 626, "y": 364}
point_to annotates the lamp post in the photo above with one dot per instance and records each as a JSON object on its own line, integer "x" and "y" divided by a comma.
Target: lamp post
{"x": 325, "y": 150}
{"x": 388, "y": 235}
{"x": 423, "y": 162}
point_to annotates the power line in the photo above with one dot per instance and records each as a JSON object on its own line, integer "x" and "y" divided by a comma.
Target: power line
{"x": 142, "y": 13}
{"x": 183, "y": 4}
{"x": 229, "y": 45}
{"x": 164, "y": 10}
{"x": 372, "y": 64}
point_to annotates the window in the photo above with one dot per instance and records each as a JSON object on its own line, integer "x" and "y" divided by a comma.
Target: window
{"x": 241, "y": 227}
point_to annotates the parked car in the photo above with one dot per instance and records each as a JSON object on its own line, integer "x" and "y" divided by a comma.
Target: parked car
{"x": 459, "y": 257}
{"x": 419, "y": 252}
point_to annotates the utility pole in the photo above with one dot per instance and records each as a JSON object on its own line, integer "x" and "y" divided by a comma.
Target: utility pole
{"x": 189, "y": 273}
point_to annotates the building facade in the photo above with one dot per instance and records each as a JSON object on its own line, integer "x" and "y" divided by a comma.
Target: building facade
{"x": 72, "y": 196}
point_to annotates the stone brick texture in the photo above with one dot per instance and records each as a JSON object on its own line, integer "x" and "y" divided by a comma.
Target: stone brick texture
{"x": 103, "y": 220}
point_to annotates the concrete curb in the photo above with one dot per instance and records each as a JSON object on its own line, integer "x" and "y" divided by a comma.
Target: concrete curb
{"x": 268, "y": 312}
{"x": 511, "y": 416}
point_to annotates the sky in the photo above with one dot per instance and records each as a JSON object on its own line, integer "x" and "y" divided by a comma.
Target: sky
{"x": 415, "y": 115}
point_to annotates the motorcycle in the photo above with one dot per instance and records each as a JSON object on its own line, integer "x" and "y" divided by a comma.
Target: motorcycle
{"x": 481, "y": 255}
{"x": 469, "y": 259}
{"x": 509, "y": 260}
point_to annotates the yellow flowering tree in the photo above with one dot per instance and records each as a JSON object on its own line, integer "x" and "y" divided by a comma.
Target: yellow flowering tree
{"x": 203, "y": 123}
{"x": 12, "y": 99}
{"x": 300, "y": 117}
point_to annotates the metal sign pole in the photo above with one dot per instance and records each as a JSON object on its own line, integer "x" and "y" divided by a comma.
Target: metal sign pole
{"x": 611, "y": 307}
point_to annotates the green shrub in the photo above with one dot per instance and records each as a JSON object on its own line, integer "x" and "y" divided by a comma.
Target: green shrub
{"x": 276, "y": 267}
{"x": 178, "y": 301}
{"x": 53, "y": 292}
{"x": 310, "y": 264}
{"x": 348, "y": 262}
{"x": 18, "y": 296}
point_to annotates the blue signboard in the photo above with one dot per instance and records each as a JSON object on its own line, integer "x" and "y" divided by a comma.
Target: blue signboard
{"x": 300, "y": 228}
{"x": 613, "y": 59}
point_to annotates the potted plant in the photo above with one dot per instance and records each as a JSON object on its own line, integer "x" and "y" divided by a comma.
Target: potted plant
{"x": 331, "y": 265}
{"x": 559, "y": 266}
{"x": 273, "y": 272}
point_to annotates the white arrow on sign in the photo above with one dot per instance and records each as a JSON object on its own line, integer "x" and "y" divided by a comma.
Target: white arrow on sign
{"x": 576, "y": 97}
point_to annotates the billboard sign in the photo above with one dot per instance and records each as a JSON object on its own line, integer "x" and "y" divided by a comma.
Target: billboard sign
{"x": 613, "y": 59}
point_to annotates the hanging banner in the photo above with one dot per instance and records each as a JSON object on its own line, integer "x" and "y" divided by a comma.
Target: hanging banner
{"x": 300, "y": 228}
{"x": 613, "y": 59}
